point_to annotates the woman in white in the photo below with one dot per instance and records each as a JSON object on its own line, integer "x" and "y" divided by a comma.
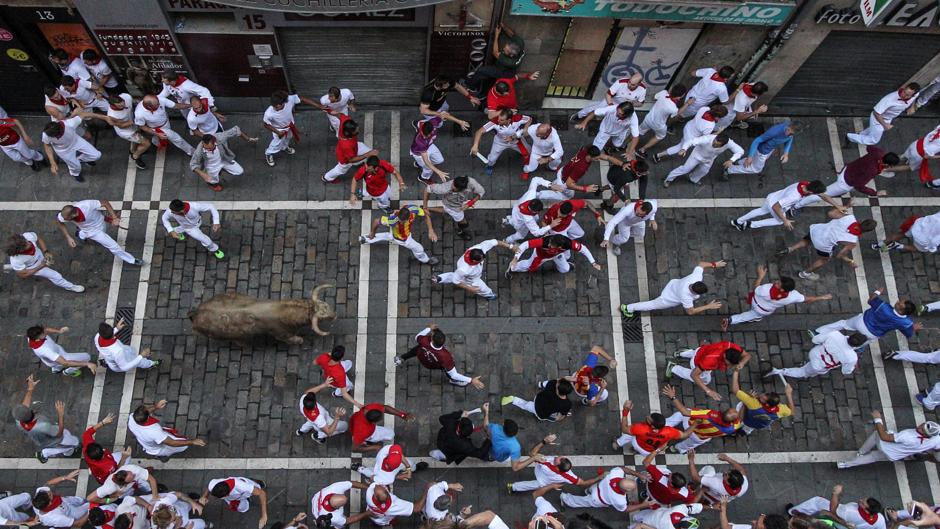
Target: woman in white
{"x": 29, "y": 257}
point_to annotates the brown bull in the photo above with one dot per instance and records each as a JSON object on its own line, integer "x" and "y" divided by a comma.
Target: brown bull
{"x": 240, "y": 318}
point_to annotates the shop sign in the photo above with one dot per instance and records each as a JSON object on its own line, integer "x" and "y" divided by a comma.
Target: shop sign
{"x": 753, "y": 13}
{"x": 328, "y": 6}
{"x": 873, "y": 10}
{"x": 910, "y": 14}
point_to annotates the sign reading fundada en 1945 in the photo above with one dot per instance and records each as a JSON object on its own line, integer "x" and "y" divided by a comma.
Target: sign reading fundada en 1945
{"x": 764, "y": 13}
{"x": 327, "y": 6}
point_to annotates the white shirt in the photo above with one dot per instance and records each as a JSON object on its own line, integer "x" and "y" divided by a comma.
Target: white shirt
{"x": 398, "y": 507}
{"x": 94, "y": 219}
{"x": 607, "y": 495}
{"x": 849, "y": 513}
{"x": 319, "y": 503}
{"x": 66, "y": 142}
{"x": 546, "y": 475}
{"x": 908, "y": 443}
{"x": 742, "y": 103}
{"x": 168, "y": 498}
{"x": 242, "y": 490}
{"x": 137, "y": 483}
{"x": 124, "y": 115}
{"x": 99, "y": 71}
{"x": 677, "y": 291}
{"x": 150, "y": 437}
{"x": 613, "y": 125}
{"x": 379, "y": 474}
{"x": 507, "y": 133}
{"x": 64, "y": 108}
{"x": 77, "y": 69}
{"x": 129, "y": 506}
{"x": 620, "y": 91}
{"x": 213, "y": 161}
{"x": 192, "y": 219}
{"x": 28, "y": 262}
{"x": 926, "y": 233}
{"x": 281, "y": 119}
{"x": 662, "y": 518}
{"x": 48, "y": 352}
{"x": 715, "y": 488}
{"x": 825, "y": 236}
{"x": 153, "y": 118}
{"x": 185, "y": 91}
{"x": 627, "y": 217}
{"x": 707, "y": 90}
{"x": 71, "y": 509}
{"x": 543, "y": 507}
{"x": 467, "y": 272}
{"x": 767, "y": 305}
{"x": 932, "y": 142}
{"x": 698, "y": 125}
{"x": 84, "y": 93}
{"x": 205, "y": 123}
{"x": 550, "y": 146}
{"x": 341, "y": 106}
{"x": 436, "y": 491}
{"x": 891, "y": 105}
{"x": 786, "y": 197}
{"x": 530, "y": 221}
{"x": 323, "y": 416}
{"x": 705, "y": 151}
{"x": 663, "y": 109}
{"x": 832, "y": 350}
{"x": 118, "y": 356}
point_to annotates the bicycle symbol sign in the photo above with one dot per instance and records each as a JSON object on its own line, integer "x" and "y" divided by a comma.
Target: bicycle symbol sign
{"x": 656, "y": 74}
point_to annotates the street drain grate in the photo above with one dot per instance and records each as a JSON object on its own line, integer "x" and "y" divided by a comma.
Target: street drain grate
{"x": 632, "y": 330}
{"x": 128, "y": 315}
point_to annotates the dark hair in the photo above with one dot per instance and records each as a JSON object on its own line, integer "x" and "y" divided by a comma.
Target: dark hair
{"x": 565, "y": 208}
{"x": 677, "y": 480}
{"x": 564, "y": 387}
{"x": 442, "y": 503}
{"x": 771, "y": 521}
{"x": 658, "y": 420}
{"x": 279, "y": 97}
{"x": 536, "y": 205}
{"x": 334, "y": 91}
{"x": 372, "y": 161}
{"x": 42, "y": 499}
{"x": 442, "y": 79}
{"x": 106, "y": 330}
{"x": 699, "y": 287}
{"x": 559, "y": 240}
{"x": 909, "y": 307}
{"x": 15, "y": 244}
{"x": 120, "y": 477}
{"x": 773, "y": 398}
{"x": 510, "y": 428}
{"x": 310, "y": 400}
{"x": 141, "y": 414}
{"x": 816, "y": 187}
{"x": 722, "y": 139}
{"x": 601, "y": 371}
{"x": 221, "y": 489}
{"x": 787, "y": 283}
{"x": 50, "y": 90}
{"x": 678, "y": 90}
{"x": 35, "y": 332}
{"x": 54, "y": 128}
{"x": 464, "y": 427}
{"x": 115, "y": 99}
{"x": 857, "y": 339}
{"x": 913, "y": 86}
{"x": 67, "y": 80}
{"x": 438, "y": 337}
{"x": 404, "y": 213}
{"x": 477, "y": 254}
{"x": 891, "y": 159}
{"x": 373, "y": 415}
{"x": 641, "y": 166}
{"x": 506, "y": 113}
{"x": 426, "y": 127}
{"x": 177, "y": 205}
{"x": 169, "y": 75}
{"x": 501, "y": 87}
{"x": 324, "y": 521}
{"x": 207, "y": 139}
{"x": 564, "y": 464}
{"x": 626, "y": 107}
{"x": 60, "y": 54}
{"x": 461, "y": 182}
{"x": 735, "y": 478}
{"x": 90, "y": 55}
{"x": 94, "y": 451}
{"x": 349, "y": 127}
{"x": 593, "y": 151}
{"x": 759, "y": 88}
{"x": 122, "y": 521}
{"x": 338, "y": 352}
{"x": 868, "y": 225}
{"x": 726, "y": 71}
{"x": 718, "y": 110}
{"x": 873, "y": 505}
{"x": 732, "y": 355}
{"x": 96, "y": 516}
{"x": 646, "y": 207}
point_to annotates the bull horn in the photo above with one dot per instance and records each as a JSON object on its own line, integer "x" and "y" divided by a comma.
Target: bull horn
{"x": 316, "y": 291}
{"x": 315, "y": 325}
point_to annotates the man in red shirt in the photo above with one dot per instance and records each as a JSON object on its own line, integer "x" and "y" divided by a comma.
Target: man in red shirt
{"x": 665, "y": 487}
{"x": 375, "y": 173}
{"x": 705, "y": 359}
{"x": 503, "y": 94}
{"x": 349, "y": 150}
{"x": 367, "y": 434}
{"x": 648, "y": 436}
{"x": 566, "y": 211}
{"x": 101, "y": 462}
{"x": 570, "y": 174}
{"x": 17, "y": 144}
{"x": 857, "y": 174}
{"x": 334, "y": 367}
{"x": 432, "y": 354}
{"x": 555, "y": 248}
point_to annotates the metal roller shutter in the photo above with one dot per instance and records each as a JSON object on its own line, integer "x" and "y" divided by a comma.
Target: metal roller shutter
{"x": 851, "y": 70}
{"x": 382, "y": 66}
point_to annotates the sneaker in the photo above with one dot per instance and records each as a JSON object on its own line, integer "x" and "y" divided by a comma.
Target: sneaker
{"x": 505, "y": 401}
{"x": 922, "y": 309}
{"x": 666, "y": 183}
{"x": 359, "y": 193}
{"x": 182, "y": 237}
{"x": 488, "y": 170}
{"x": 894, "y": 246}
{"x": 782, "y": 252}
{"x": 491, "y": 296}
{"x": 139, "y": 163}
{"x": 809, "y": 276}
{"x": 739, "y": 125}
{"x": 524, "y": 176}
{"x": 398, "y": 361}
{"x": 931, "y": 185}
{"x": 508, "y": 273}
{"x": 155, "y": 364}
{"x": 433, "y": 261}
{"x": 504, "y": 221}
{"x": 270, "y": 159}
{"x": 737, "y": 225}
{"x": 415, "y": 165}
{"x": 509, "y": 488}
{"x": 91, "y": 163}
{"x": 290, "y": 150}
{"x": 787, "y": 507}
{"x": 877, "y": 246}
{"x": 770, "y": 372}
{"x": 811, "y": 332}
{"x": 669, "y": 366}
{"x": 641, "y": 153}
{"x": 316, "y": 438}
{"x": 74, "y": 374}
{"x": 79, "y": 178}
{"x": 219, "y": 254}
{"x": 436, "y": 279}
{"x": 657, "y": 158}
{"x": 77, "y": 288}
{"x": 725, "y": 175}
{"x": 421, "y": 465}
{"x": 846, "y": 142}
{"x": 35, "y": 166}
{"x": 138, "y": 262}
{"x": 425, "y": 179}
{"x": 626, "y": 313}
{"x": 414, "y": 125}
{"x": 216, "y": 187}
{"x": 614, "y": 446}
{"x": 888, "y": 355}
{"x": 298, "y": 433}
{"x": 617, "y": 250}
{"x": 920, "y": 398}
{"x": 42, "y": 459}
{"x": 698, "y": 183}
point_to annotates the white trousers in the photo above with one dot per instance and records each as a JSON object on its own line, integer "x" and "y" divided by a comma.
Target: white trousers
{"x": 66, "y": 446}
{"x": 203, "y": 239}
{"x": 341, "y": 168}
{"x": 533, "y": 162}
{"x": 757, "y": 164}
{"x": 588, "y": 501}
{"x": 771, "y": 220}
{"x": 341, "y": 427}
{"x": 434, "y": 154}
{"x": 233, "y": 168}
{"x": 918, "y": 358}
{"x": 696, "y": 168}
{"x": 933, "y": 306}
{"x": 659, "y": 129}
{"x": 173, "y": 137}
{"x": 811, "y": 506}
{"x": 807, "y": 370}
{"x": 410, "y": 243}
{"x": 74, "y": 357}
{"x": 14, "y": 504}
{"x": 55, "y": 277}
{"x": 451, "y": 278}
{"x": 913, "y": 158}
{"x": 560, "y": 260}
{"x": 693, "y": 441}
{"x": 381, "y": 434}
{"x": 755, "y": 314}
{"x": 600, "y": 141}
{"x": 868, "y": 453}
{"x": 20, "y": 152}
{"x": 625, "y": 231}
{"x": 627, "y": 438}
{"x": 659, "y": 303}
{"x": 871, "y": 135}
{"x": 835, "y": 189}
{"x": 548, "y": 194}
{"x": 81, "y": 152}
{"x": 102, "y": 238}
{"x": 496, "y": 150}
{"x": 686, "y": 372}
{"x": 347, "y": 365}
{"x": 278, "y": 143}
{"x": 573, "y": 231}
{"x": 383, "y": 200}
{"x": 932, "y": 400}
{"x": 855, "y": 323}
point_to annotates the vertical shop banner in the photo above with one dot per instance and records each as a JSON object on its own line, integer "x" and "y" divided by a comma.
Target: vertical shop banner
{"x": 71, "y": 37}
{"x": 654, "y": 52}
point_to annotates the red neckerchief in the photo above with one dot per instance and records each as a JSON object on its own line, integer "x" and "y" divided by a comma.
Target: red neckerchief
{"x": 746, "y": 88}
{"x": 150, "y": 421}
{"x": 636, "y": 206}
{"x": 325, "y": 503}
{"x": 770, "y": 409}
{"x": 732, "y": 492}
{"x": 36, "y": 344}
{"x": 615, "y": 486}
{"x": 777, "y": 293}
{"x": 185, "y": 208}
{"x": 153, "y": 420}
{"x": 28, "y": 425}
{"x": 53, "y": 503}
{"x": 716, "y": 77}
{"x": 108, "y": 515}
{"x": 58, "y": 99}
{"x": 855, "y": 229}
{"x": 870, "y": 518}
{"x": 231, "y": 484}
{"x": 312, "y": 415}
{"x": 676, "y": 517}
{"x": 468, "y": 260}
{"x": 555, "y": 469}
{"x": 801, "y": 188}
{"x": 106, "y": 342}
{"x": 901, "y": 97}
{"x": 179, "y": 80}
{"x": 380, "y": 506}
{"x": 29, "y": 251}
{"x": 205, "y": 106}
{"x": 708, "y": 117}
{"x": 675, "y": 100}
{"x": 79, "y": 216}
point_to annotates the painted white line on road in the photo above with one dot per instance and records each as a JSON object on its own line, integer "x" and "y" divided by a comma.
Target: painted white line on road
{"x": 391, "y": 320}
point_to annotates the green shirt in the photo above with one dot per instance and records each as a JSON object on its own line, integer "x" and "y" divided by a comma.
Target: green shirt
{"x": 510, "y": 61}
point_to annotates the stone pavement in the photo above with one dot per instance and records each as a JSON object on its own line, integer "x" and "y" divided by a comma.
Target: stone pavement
{"x": 285, "y": 232}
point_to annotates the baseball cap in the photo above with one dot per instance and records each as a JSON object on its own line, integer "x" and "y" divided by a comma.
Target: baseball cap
{"x": 393, "y": 459}
{"x": 931, "y": 428}
{"x": 23, "y": 414}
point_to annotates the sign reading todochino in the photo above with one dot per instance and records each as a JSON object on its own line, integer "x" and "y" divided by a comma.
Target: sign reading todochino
{"x": 755, "y": 13}
{"x": 328, "y": 6}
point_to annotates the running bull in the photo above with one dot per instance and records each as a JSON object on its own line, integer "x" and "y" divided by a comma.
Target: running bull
{"x": 240, "y": 318}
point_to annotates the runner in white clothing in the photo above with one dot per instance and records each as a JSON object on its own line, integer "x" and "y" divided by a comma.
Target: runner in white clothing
{"x": 711, "y": 87}
{"x": 468, "y": 273}
{"x": 779, "y": 203}
{"x": 188, "y": 217}
{"x": 886, "y": 110}
{"x": 100, "y": 71}
{"x": 665, "y": 107}
{"x": 732, "y": 484}
{"x": 69, "y": 65}
{"x": 624, "y": 89}
{"x": 438, "y": 500}
{"x": 91, "y": 224}
{"x": 546, "y": 148}
{"x": 927, "y": 147}
{"x": 236, "y": 492}
{"x": 833, "y": 350}
{"x": 866, "y": 514}
{"x": 391, "y": 463}
{"x": 337, "y": 101}
{"x": 555, "y": 248}
{"x": 678, "y": 517}
{"x": 29, "y": 257}
{"x": 62, "y": 138}
{"x": 705, "y": 149}
{"x": 121, "y": 116}
{"x": 180, "y": 89}
{"x": 765, "y": 299}
{"x": 117, "y": 355}
{"x": 202, "y": 119}
{"x": 509, "y": 128}
{"x": 843, "y": 229}
{"x": 383, "y": 507}
{"x": 683, "y": 291}
{"x": 172, "y": 511}
{"x": 527, "y": 211}
{"x": 740, "y": 108}
{"x": 924, "y": 233}
{"x": 13, "y": 509}
{"x": 885, "y": 445}
{"x": 629, "y": 222}
{"x": 279, "y": 119}
{"x": 611, "y": 491}
{"x": 53, "y": 355}
{"x": 128, "y": 480}
{"x": 156, "y": 439}
{"x": 703, "y": 123}
{"x": 317, "y": 418}
{"x": 331, "y": 501}
{"x": 85, "y": 94}
{"x": 150, "y": 115}
{"x": 18, "y": 146}
{"x": 57, "y": 511}
{"x": 618, "y": 121}
{"x": 556, "y": 470}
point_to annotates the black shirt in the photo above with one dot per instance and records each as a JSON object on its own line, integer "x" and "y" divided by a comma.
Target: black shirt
{"x": 548, "y": 403}
{"x": 620, "y": 177}
{"x": 433, "y": 97}
{"x": 455, "y": 447}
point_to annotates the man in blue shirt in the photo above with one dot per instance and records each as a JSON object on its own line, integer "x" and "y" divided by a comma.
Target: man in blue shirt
{"x": 780, "y": 135}
{"x": 505, "y": 446}
{"x": 880, "y": 319}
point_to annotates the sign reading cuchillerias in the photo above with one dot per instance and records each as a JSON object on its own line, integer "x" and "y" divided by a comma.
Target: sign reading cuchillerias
{"x": 874, "y": 10}
{"x": 328, "y": 6}
{"x": 767, "y": 13}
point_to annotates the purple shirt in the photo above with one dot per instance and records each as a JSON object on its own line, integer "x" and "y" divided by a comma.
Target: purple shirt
{"x": 863, "y": 170}
{"x": 422, "y": 143}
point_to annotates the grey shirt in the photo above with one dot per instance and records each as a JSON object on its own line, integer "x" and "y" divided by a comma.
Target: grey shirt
{"x": 43, "y": 434}
{"x": 198, "y": 161}
{"x": 455, "y": 200}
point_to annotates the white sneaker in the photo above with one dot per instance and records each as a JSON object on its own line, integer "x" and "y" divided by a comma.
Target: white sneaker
{"x": 269, "y": 159}
{"x": 616, "y": 249}
{"x": 809, "y": 276}
{"x": 290, "y": 150}
{"x": 77, "y": 288}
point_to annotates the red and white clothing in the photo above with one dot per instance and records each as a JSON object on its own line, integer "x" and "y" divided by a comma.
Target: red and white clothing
{"x": 317, "y": 419}
{"x": 138, "y": 513}
{"x": 546, "y": 473}
{"x": 826, "y": 236}
{"x": 675, "y": 293}
{"x": 58, "y": 103}
{"x": 572, "y": 171}
{"x": 283, "y": 121}
{"x": 523, "y": 219}
{"x": 832, "y": 351}
{"x": 190, "y": 221}
{"x": 341, "y": 106}
{"x": 63, "y": 511}
{"x": 548, "y": 147}
{"x": 495, "y": 101}
{"x": 376, "y": 184}
{"x": 850, "y": 512}
{"x": 71, "y": 147}
{"x": 656, "y": 120}
{"x": 100, "y": 469}
{"x": 889, "y": 107}
{"x": 14, "y": 146}
{"x": 765, "y": 300}
{"x": 906, "y": 443}
{"x": 469, "y": 272}
{"x": 742, "y": 102}
{"x": 786, "y": 197}
{"x": 338, "y": 371}
{"x": 628, "y": 223}
{"x": 182, "y": 89}
{"x": 48, "y": 351}
{"x": 83, "y": 93}
{"x": 708, "y": 358}
{"x": 76, "y": 69}
{"x": 320, "y": 503}
{"x": 389, "y": 462}
{"x": 926, "y": 146}
{"x": 703, "y": 155}
{"x": 182, "y": 509}
{"x": 12, "y": 508}
{"x": 618, "y": 92}
{"x": 660, "y": 489}
{"x": 158, "y": 121}
{"x": 34, "y": 258}
{"x": 348, "y": 148}
{"x": 99, "y": 70}
{"x": 91, "y": 224}
{"x": 612, "y": 127}
{"x": 568, "y": 226}
{"x": 131, "y": 132}
{"x": 240, "y": 492}
{"x": 137, "y": 484}
{"x": 150, "y": 434}
{"x": 434, "y": 492}
{"x": 433, "y": 357}
{"x": 604, "y": 493}
{"x": 382, "y": 513}
{"x": 665, "y": 518}
{"x": 702, "y": 124}
{"x": 507, "y": 136}
{"x": 205, "y": 122}
{"x": 710, "y": 87}
{"x": 714, "y": 486}
{"x": 541, "y": 253}
{"x": 118, "y": 356}
{"x": 925, "y": 233}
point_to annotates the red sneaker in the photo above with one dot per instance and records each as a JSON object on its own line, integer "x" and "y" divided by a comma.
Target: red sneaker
{"x": 524, "y": 176}
{"x": 215, "y": 187}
